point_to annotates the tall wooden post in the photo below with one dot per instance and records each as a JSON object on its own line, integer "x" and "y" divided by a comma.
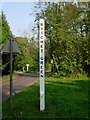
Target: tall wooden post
{"x": 42, "y": 60}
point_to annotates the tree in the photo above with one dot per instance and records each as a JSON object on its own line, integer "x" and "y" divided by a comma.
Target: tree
{"x": 29, "y": 54}
{"x": 5, "y": 34}
{"x": 66, "y": 31}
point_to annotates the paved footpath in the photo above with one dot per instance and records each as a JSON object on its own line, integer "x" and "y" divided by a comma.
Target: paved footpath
{"x": 19, "y": 83}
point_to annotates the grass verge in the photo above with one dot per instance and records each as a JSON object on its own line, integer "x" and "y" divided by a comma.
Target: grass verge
{"x": 65, "y": 98}
{"x": 7, "y": 77}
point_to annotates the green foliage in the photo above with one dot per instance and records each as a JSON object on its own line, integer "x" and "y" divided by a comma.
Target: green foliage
{"x": 29, "y": 54}
{"x": 67, "y": 31}
{"x": 29, "y": 50}
{"x": 5, "y": 34}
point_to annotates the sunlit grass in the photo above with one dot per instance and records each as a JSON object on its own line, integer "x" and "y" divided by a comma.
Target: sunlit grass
{"x": 65, "y": 98}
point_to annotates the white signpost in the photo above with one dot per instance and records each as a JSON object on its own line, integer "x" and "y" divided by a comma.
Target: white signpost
{"x": 27, "y": 65}
{"x": 41, "y": 60}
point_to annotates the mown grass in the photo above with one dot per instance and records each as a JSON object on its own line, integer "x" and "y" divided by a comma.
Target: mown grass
{"x": 65, "y": 98}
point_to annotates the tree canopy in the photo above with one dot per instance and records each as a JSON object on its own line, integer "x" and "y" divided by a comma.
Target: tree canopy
{"x": 5, "y": 34}
{"x": 29, "y": 50}
{"x": 67, "y": 30}
{"x": 29, "y": 54}
{"x": 4, "y": 29}
{"x": 67, "y": 40}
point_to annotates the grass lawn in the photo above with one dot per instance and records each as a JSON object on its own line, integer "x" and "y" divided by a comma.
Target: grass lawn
{"x": 65, "y": 98}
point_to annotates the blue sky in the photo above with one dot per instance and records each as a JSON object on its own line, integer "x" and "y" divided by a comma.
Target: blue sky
{"x": 18, "y": 16}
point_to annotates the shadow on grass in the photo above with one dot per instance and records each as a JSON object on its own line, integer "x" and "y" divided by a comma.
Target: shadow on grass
{"x": 64, "y": 100}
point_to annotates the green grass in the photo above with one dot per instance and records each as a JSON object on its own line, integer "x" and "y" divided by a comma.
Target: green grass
{"x": 65, "y": 98}
{"x": 7, "y": 77}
